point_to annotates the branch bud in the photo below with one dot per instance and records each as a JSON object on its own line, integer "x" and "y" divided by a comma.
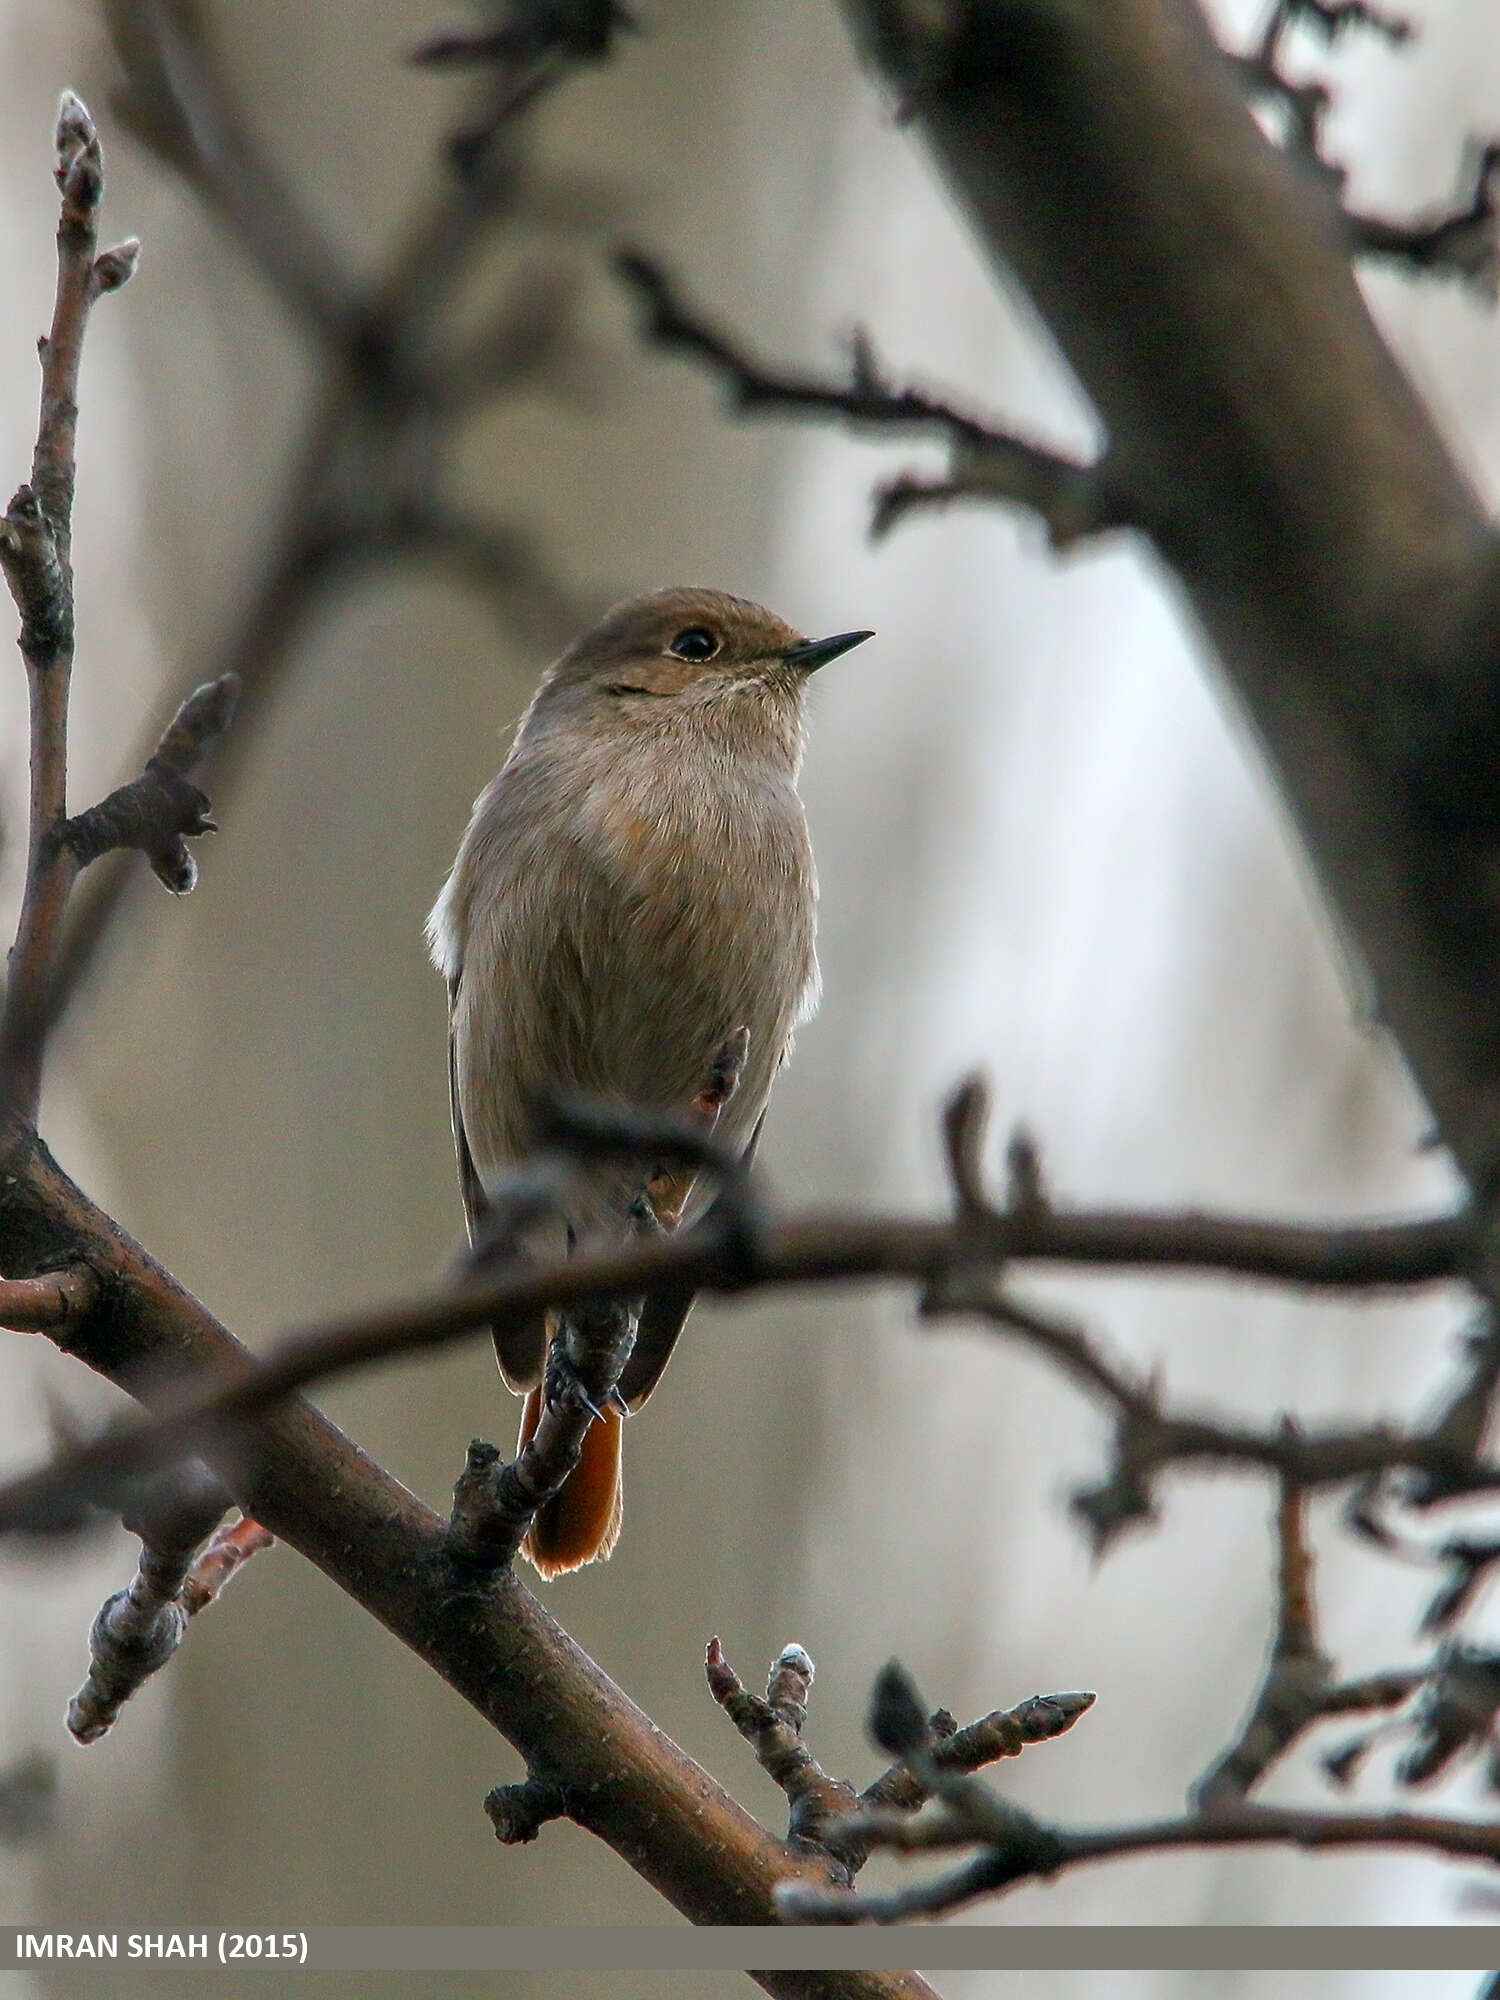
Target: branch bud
{"x": 116, "y": 267}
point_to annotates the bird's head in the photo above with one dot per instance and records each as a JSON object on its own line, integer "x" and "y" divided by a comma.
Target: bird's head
{"x": 680, "y": 655}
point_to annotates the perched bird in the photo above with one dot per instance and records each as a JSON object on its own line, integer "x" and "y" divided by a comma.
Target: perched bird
{"x": 630, "y": 919}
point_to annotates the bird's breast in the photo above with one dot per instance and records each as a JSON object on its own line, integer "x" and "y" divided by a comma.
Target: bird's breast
{"x": 709, "y": 918}
{"x": 723, "y": 842}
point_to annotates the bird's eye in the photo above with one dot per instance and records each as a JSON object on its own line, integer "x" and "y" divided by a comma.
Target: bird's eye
{"x": 697, "y": 643}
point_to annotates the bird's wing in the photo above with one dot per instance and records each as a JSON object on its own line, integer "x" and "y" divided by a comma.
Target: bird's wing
{"x": 663, "y": 1318}
{"x": 520, "y": 1349}
{"x": 476, "y": 1203}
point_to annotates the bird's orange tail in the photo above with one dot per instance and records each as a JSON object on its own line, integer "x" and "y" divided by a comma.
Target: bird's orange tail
{"x": 580, "y": 1524}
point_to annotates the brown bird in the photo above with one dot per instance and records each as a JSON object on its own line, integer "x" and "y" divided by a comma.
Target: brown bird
{"x": 631, "y": 919}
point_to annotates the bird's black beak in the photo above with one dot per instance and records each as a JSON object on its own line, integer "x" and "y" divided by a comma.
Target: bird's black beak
{"x": 815, "y": 653}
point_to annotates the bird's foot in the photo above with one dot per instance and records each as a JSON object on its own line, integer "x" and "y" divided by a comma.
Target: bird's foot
{"x": 586, "y": 1354}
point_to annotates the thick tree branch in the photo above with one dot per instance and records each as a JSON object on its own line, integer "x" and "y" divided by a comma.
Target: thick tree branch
{"x": 1331, "y": 549}
{"x": 480, "y": 1630}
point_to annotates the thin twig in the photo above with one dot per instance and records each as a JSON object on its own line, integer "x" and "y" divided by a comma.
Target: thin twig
{"x": 772, "y": 1725}
{"x": 159, "y": 812}
{"x": 1053, "y": 1849}
{"x": 1016, "y": 1847}
{"x": 1462, "y": 241}
{"x": 138, "y": 1630}
{"x": 227, "y": 1551}
{"x": 35, "y": 552}
{"x": 1298, "y": 1677}
{"x": 1074, "y": 498}
{"x": 1004, "y": 1732}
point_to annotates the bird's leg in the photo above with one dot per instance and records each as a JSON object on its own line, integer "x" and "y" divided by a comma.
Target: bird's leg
{"x": 495, "y": 1504}
{"x": 592, "y": 1340}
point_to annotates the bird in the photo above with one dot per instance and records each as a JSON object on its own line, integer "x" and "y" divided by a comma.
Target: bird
{"x": 630, "y": 919}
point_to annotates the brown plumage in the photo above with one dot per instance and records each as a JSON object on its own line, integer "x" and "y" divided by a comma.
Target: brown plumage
{"x": 633, "y": 890}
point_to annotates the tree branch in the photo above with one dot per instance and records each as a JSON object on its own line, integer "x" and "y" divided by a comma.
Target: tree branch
{"x": 955, "y": 1264}
{"x": 1464, "y": 241}
{"x": 1335, "y": 555}
{"x": 35, "y": 553}
{"x": 1296, "y": 1691}
{"x": 160, "y": 811}
{"x": 140, "y": 1628}
{"x": 480, "y": 1630}
{"x": 1073, "y": 499}
{"x": 1043, "y": 1853}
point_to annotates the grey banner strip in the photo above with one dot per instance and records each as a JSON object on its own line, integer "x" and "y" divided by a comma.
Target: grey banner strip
{"x": 679, "y": 1948}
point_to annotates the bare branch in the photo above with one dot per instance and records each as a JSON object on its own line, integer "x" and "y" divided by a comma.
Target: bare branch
{"x": 1004, "y": 1732}
{"x": 538, "y": 45}
{"x": 814, "y": 1251}
{"x": 1463, "y": 242}
{"x": 293, "y": 1471}
{"x": 1298, "y": 1676}
{"x": 773, "y": 1726}
{"x": 933, "y": 1754}
{"x": 228, "y": 1549}
{"x": 1324, "y": 536}
{"x": 160, "y": 811}
{"x": 1332, "y": 17}
{"x": 1016, "y": 1847}
{"x": 1045, "y": 1853}
{"x": 35, "y": 553}
{"x": 1073, "y": 499}
{"x": 175, "y": 103}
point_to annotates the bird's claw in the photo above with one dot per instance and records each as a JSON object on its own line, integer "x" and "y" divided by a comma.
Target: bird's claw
{"x": 564, "y": 1385}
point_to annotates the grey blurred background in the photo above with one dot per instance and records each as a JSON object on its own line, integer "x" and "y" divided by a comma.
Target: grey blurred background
{"x": 1045, "y": 848}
